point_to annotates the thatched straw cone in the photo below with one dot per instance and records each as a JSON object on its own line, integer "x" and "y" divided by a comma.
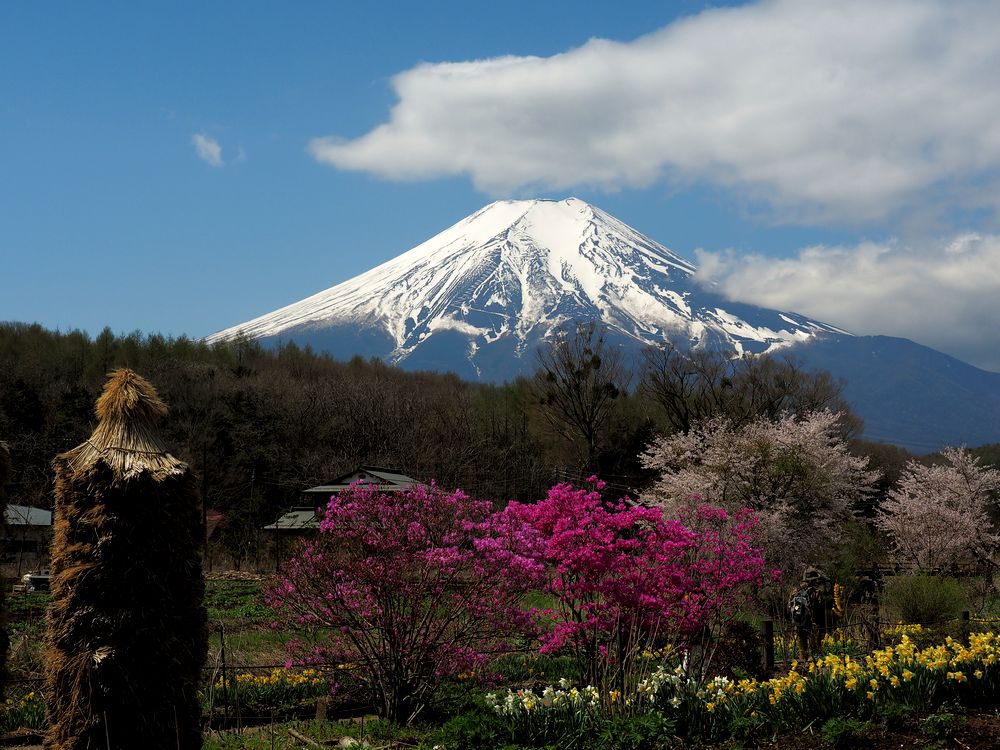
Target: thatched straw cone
{"x": 127, "y": 627}
{"x": 4, "y": 636}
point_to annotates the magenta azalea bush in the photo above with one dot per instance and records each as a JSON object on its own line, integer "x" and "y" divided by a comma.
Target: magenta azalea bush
{"x": 405, "y": 589}
{"x": 627, "y": 579}
{"x": 398, "y": 594}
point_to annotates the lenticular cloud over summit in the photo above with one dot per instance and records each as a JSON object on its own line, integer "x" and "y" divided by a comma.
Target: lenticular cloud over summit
{"x": 497, "y": 284}
{"x": 851, "y": 110}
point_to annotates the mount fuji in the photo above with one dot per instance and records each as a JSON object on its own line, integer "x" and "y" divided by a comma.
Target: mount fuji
{"x": 479, "y": 298}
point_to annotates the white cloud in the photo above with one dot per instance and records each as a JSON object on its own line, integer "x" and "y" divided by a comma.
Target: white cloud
{"x": 943, "y": 295}
{"x": 208, "y": 149}
{"x": 849, "y": 110}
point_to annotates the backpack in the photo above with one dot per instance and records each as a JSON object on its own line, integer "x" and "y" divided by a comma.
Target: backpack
{"x": 800, "y": 608}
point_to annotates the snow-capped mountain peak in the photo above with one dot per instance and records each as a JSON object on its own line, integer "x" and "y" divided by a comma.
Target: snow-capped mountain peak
{"x": 507, "y": 275}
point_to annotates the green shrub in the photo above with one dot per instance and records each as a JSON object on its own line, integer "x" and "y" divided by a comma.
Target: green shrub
{"x": 929, "y": 600}
{"x": 844, "y": 733}
{"x": 941, "y": 725}
{"x": 536, "y": 669}
{"x": 480, "y": 727}
{"x": 647, "y": 732}
{"x": 895, "y": 713}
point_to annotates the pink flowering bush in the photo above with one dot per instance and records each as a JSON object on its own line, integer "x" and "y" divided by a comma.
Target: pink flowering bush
{"x": 625, "y": 577}
{"x": 396, "y": 590}
{"x": 724, "y": 567}
{"x": 405, "y": 589}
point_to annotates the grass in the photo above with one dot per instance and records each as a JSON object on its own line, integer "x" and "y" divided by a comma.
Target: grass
{"x": 236, "y": 601}
{"x": 278, "y": 736}
{"x": 238, "y": 618}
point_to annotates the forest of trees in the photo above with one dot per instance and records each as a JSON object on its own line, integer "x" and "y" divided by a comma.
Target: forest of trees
{"x": 260, "y": 425}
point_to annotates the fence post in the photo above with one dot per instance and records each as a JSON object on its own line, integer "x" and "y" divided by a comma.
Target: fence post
{"x": 225, "y": 683}
{"x": 322, "y": 707}
{"x": 767, "y": 636}
{"x": 964, "y": 626}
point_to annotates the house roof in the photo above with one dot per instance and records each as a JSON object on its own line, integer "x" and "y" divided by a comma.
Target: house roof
{"x": 388, "y": 480}
{"x": 307, "y": 517}
{"x": 25, "y": 515}
{"x": 297, "y": 519}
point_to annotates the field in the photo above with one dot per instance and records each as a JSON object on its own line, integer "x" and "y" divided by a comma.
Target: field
{"x": 251, "y": 700}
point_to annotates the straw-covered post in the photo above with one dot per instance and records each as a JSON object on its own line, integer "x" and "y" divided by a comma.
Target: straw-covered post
{"x": 127, "y": 627}
{"x": 4, "y": 636}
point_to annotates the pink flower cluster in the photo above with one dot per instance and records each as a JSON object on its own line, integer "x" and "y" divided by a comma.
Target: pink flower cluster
{"x": 414, "y": 586}
{"x": 617, "y": 567}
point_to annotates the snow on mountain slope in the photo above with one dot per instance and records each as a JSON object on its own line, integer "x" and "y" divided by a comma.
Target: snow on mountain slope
{"x": 512, "y": 272}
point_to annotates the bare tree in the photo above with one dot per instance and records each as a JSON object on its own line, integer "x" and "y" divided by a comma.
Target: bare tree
{"x": 688, "y": 386}
{"x": 694, "y": 385}
{"x": 578, "y": 383}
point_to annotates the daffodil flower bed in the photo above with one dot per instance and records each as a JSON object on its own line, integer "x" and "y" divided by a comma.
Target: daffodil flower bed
{"x": 554, "y": 715}
{"x": 835, "y": 685}
{"x": 26, "y": 711}
{"x": 281, "y": 688}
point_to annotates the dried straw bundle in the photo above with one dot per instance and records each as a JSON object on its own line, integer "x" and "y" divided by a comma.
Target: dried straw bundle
{"x": 127, "y": 628}
{"x": 4, "y": 636}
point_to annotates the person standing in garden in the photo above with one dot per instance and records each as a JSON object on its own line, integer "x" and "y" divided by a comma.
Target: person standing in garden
{"x": 809, "y": 610}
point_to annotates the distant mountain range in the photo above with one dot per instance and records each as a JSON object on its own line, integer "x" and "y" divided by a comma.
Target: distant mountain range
{"x": 481, "y": 296}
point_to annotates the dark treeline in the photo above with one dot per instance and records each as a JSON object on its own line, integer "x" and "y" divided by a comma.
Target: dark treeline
{"x": 259, "y": 425}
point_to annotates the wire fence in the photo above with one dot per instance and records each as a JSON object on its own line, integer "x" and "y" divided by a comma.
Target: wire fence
{"x": 246, "y": 682}
{"x": 861, "y": 630}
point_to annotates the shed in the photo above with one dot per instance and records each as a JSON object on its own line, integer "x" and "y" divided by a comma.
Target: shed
{"x": 306, "y": 516}
{"x": 26, "y": 516}
{"x": 387, "y": 480}
{"x": 304, "y": 519}
{"x": 27, "y": 532}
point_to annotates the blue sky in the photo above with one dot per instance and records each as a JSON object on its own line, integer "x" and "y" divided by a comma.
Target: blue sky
{"x": 183, "y": 167}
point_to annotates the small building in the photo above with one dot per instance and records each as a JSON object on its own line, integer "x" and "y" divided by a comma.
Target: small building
{"x": 298, "y": 519}
{"x": 304, "y": 518}
{"x": 387, "y": 480}
{"x": 27, "y": 534}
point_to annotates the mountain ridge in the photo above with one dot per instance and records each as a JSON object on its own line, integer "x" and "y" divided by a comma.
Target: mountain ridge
{"x": 522, "y": 268}
{"x": 480, "y": 297}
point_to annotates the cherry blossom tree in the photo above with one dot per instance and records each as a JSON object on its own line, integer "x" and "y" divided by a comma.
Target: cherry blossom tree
{"x": 938, "y": 516}
{"x": 795, "y": 473}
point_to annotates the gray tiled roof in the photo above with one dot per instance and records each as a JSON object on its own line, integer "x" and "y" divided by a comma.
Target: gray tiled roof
{"x": 296, "y": 519}
{"x": 25, "y": 515}
{"x": 387, "y": 479}
{"x": 307, "y": 517}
